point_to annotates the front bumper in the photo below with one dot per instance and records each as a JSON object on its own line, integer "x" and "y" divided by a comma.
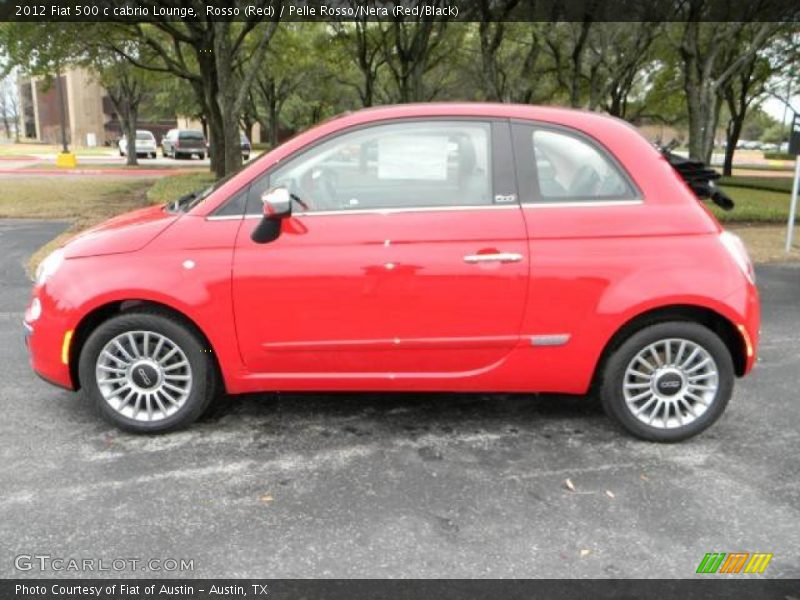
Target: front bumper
{"x": 48, "y": 339}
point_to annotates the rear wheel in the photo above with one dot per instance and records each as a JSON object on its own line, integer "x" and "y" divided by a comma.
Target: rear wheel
{"x": 668, "y": 381}
{"x": 147, "y": 372}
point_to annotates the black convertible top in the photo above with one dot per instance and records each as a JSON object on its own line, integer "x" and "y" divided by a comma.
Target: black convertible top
{"x": 698, "y": 177}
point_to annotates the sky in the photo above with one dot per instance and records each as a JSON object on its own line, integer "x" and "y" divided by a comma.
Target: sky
{"x": 775, "y": 108}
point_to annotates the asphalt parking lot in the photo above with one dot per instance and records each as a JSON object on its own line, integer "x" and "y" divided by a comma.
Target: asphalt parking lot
{"x": 401, "y": 485}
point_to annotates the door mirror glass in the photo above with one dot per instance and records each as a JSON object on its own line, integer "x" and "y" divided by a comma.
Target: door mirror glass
{"x": 277, "y": 203}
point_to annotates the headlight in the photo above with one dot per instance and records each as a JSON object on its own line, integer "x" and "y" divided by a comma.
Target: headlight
{"x": 49, "y": 266}
{"x": 736, "y": 248}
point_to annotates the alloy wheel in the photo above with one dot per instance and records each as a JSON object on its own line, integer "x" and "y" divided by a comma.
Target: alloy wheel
{"x": 143, "y": 375}
{"x": 670, "y": 383}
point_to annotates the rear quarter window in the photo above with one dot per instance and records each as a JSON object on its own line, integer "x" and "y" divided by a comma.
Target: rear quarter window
{"x": 570, "y": 168}
{"x": 558, "y": 165}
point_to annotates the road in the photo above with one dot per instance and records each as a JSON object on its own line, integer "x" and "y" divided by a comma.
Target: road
{"x": 398, "y": 485}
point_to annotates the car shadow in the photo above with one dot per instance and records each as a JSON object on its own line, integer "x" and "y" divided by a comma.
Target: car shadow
{"x": 413, "y": 412}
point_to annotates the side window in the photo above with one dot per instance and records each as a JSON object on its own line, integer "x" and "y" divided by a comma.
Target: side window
{"x": 233, "y": 207}
{"x": 398, "y": 165}
{"x": 569, "y": 168}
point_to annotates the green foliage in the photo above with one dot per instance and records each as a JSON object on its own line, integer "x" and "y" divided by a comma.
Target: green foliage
{"x": 778, "y": 156}
{"x": 312, "y": 71}
{"x": 754, "y": 206}
{"x": 770, "y": 184}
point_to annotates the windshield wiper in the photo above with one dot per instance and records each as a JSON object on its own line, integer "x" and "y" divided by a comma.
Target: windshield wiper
{"x": 179, "y": 204}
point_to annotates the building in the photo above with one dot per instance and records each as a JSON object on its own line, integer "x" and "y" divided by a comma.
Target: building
{"x": 90, "y": 116}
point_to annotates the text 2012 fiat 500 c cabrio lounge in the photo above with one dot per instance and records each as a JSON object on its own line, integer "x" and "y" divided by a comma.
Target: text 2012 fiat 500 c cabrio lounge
{"x": 441, "y": 247}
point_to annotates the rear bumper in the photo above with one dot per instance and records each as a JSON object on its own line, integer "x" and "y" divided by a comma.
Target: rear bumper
{"x": 750, "y": 327}
{"x": 742, "y": 309}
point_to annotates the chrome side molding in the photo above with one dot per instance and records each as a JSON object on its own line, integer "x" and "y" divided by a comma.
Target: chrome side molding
{"x": 554, "y": 339}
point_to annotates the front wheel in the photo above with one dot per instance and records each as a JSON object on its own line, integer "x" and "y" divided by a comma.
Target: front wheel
{"x": 147, "y": 372}
{"x": 668, "y": 381}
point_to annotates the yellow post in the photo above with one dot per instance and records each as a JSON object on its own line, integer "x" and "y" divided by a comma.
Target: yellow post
{"x": 66, "y": 160}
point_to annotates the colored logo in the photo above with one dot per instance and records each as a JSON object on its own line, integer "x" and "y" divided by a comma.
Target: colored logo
{"x": 734, "y": 562}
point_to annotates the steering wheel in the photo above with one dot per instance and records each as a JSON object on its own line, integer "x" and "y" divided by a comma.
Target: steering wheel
{"x": 316, "y": 190}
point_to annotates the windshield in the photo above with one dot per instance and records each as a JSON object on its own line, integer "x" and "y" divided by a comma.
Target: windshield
{"x": 144, "y": 135}
{"x": 191, "y": 135}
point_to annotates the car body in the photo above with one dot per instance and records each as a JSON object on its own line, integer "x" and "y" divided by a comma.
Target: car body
{"x": 444, "y": 247}
{"x": 183, "y": 143}
{"x": 145, "y": 144}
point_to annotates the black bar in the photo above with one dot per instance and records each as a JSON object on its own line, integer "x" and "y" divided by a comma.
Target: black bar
{"x": 383, "y": 10}
{"x": 730, "y": 588}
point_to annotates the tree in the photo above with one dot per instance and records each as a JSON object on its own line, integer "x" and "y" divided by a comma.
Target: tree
{"x": 621, "y": 52}
{"x": 567, "y": 44}
{"x": 740, "y": 93}
{"x": 219, "y": 59}
{"x": 712, "y": 54}
{"x": 126, "y": 87}
{"x": 292, "y": 60}
{"x": 363, "y": 41}
{"x": 412, "y": 47}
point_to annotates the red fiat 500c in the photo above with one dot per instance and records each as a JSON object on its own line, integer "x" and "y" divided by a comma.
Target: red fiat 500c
{"x": 442, "y": 247}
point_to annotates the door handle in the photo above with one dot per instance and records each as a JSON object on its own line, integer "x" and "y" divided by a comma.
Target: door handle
{"x": 502, "y": 257}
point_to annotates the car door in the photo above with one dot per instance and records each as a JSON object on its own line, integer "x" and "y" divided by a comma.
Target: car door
{"x": 584, "y": 217}
{"x": 406, "y": 255}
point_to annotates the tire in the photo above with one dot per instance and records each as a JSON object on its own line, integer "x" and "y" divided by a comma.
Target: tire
{"x": 685, "y": 396}
{"x": 112, "y": 381}
{"x": 201, "y": 156}
{"x": 246, "y": 157}
{"x": 121, "y": 153}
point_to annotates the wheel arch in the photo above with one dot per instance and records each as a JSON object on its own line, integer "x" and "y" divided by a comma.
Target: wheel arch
{"x": 103, "y": 313}
{"x": 716, "y": 322}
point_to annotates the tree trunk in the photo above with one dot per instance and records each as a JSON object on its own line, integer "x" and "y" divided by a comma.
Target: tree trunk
{"x": 731, "y": 139}
{"x": 125, "y": 99}
{"x": 226, "y": 97}
{"x": 129, "y": 122}
{"x": 274, "y": 124}
{"x": 206, "y": 92}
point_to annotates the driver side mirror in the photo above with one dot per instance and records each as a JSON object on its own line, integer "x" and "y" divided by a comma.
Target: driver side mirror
{"x": 277, "y": 205}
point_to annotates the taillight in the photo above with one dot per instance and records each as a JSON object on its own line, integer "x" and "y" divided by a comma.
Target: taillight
{"x": 736, "y": 248}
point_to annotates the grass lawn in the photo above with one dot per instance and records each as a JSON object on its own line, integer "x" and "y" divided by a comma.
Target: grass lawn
{"x": 754, "y": 206}
{"x": 773, "y": 184}
{"x": 170, "y": 188}
{"x": 84, "y": 201}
